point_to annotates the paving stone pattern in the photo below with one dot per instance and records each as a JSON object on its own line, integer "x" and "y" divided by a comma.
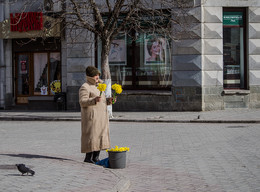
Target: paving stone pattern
{"x": 179, "y": 157}
{"x": 52, "y": 151}
{"x": 191, "y": 157}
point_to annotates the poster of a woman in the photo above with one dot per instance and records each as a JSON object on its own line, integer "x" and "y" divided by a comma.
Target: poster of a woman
{"x": 117, "y": 54}
{"x": 155, "y": 50}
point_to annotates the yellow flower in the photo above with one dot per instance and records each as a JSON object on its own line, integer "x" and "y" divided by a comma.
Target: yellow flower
{"x": 101, "y": 87}
{"x": 117, "y": 149}
{"x": 117, "y": 90}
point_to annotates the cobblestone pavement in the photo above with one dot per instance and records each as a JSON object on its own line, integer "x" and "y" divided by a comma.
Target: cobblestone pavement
{"x": 188, "y": 157}
{"x": 51, "y": 149}
{"x": 221, "y": 116}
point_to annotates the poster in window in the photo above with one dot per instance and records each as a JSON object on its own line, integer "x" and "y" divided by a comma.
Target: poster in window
{"x": 117, "y": 54}
{"x": 155, "y": 50}
{"x": 23, "y": 67}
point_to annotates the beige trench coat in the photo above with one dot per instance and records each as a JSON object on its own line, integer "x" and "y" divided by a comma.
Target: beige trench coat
{"x": 94, "y": 118}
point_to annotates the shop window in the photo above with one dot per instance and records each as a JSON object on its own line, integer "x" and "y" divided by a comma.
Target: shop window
{"x": 140, "y": 61}
{"x": 23, "y": 74}
{"x": 234, "y": 48}
{"x": 47, "y": 73}
{"x": 38, "y": 74}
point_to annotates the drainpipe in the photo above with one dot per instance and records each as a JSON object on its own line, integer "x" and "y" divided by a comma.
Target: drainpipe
{"x": 2, "y": 64}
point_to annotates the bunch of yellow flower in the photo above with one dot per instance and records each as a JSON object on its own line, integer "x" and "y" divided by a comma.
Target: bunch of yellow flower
{"x": 117, "y": 149}
{"x": 117, "y": 90}
{"x": 101, "y": 87}
{"x": 55, "y": 86}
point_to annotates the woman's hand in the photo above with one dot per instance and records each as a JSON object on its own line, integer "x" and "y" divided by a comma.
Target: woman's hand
{"x": 110, "y": 100}
{"x": 97, "y": 99}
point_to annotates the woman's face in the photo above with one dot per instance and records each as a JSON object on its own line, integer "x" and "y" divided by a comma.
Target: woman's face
{"x": 96, "y": 78}
{"x": 156, "y": 47}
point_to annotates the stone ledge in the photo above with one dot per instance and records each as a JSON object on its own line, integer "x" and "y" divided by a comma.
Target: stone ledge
{"x": 236, "y": 92}
{"x": 41, "y": 98}
{"x": 147, "y": 92}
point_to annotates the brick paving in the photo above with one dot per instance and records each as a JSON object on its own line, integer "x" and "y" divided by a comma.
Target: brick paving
{"x": 191, "y": 157}
{"x": 188, "y": 157}
{"x": 52, "y": 150}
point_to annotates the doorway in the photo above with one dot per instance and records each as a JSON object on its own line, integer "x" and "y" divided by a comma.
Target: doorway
{"x": 38, "y": 74}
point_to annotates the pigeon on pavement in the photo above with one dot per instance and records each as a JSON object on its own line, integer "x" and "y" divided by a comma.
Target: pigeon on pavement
{"x": 23, "y": 169}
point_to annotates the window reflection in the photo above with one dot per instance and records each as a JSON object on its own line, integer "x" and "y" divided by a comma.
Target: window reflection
{"x": 141, "y": 63}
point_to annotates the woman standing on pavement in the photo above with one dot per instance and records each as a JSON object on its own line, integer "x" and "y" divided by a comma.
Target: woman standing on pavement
{"x": 94, "y": 117}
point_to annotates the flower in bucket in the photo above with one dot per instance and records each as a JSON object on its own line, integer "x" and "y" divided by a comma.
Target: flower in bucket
{"x": 117, "y": 149}
{"x": 117, "y": 157}
{"x": 101, "y": 87}
{"x": 117, "y": 90}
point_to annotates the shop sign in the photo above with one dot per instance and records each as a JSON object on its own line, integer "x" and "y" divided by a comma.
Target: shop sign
{"x": 27, "y": 21}
{"x": 233, "y": 18}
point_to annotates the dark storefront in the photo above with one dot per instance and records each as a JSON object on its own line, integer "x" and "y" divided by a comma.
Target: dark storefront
{"x": 37, "y": 72}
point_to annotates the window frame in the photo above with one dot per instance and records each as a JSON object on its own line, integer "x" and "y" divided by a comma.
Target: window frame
{"x": 245, "y": 42}
{"x": 131, "y": 61}
{"x": 31, "y": 72}
{"x": 134, "y": 65}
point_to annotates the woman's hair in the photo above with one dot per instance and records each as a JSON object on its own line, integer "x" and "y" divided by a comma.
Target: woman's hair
{"x": 150, "y": 44}
{"x": 92, "y": 71}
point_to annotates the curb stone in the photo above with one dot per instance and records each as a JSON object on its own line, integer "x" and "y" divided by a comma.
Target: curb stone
{"x": 121, "y": 186}
{"x": 28, "y": 118}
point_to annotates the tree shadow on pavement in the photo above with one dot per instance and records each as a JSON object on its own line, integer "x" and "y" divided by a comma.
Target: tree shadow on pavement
{"x": 31, "y": 156}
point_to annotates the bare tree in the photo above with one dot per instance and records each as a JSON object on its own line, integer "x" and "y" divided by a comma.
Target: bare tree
{"x": 106, "y": 18}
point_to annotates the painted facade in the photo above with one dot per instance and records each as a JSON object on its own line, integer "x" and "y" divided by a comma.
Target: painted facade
{"x": 200, "y": 76}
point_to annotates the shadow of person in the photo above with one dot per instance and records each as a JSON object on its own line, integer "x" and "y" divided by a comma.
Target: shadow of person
{"x": 32, "y": 156}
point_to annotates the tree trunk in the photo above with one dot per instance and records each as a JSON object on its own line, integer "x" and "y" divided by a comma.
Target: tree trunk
{"x": 106, "y": 76}
{"x": 104, "y": 59}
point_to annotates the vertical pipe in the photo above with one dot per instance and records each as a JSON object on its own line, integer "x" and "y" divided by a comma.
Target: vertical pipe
{"x": 2, "y": 64}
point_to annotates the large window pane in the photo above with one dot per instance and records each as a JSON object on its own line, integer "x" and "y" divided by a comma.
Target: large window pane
{"x": 140, "y": 62}
{"x": 233, "y": 47}
{"x": 23, "y": 74}
{"x": 153, "y": 62}
{"x": 40, "y": 74}
{"x": 120, "y": 68}
{"x": 55, "y": 73}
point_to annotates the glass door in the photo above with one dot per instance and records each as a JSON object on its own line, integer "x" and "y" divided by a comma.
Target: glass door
{"x": 40, "y": 61}
{"x": 234, "y": 48}
{"x": 38, "y": 74}
{"x": 23, "y": 77}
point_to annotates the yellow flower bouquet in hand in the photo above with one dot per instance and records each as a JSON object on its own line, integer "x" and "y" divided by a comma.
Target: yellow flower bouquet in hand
{"x": 117, "y": 90}
{"x": 101, "y": 87}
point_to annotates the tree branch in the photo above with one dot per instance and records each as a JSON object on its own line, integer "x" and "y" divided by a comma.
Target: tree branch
{"x": 113, "y": 18}
{"x": 79, "y": 16}
{"x": 109, "y": 6}
{"x": 132, "y": 8}
{"x": 98, "y": 16}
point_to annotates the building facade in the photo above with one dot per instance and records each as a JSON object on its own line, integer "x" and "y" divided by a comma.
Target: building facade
{"x": 216, "y": 68}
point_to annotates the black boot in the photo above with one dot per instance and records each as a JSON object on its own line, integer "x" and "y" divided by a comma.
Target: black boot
{"x": 88, "y": 157}
{"x": 96, "y": 156}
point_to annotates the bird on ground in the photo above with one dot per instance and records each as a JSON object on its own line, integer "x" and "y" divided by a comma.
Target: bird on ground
{"x": 23, "y": 169}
